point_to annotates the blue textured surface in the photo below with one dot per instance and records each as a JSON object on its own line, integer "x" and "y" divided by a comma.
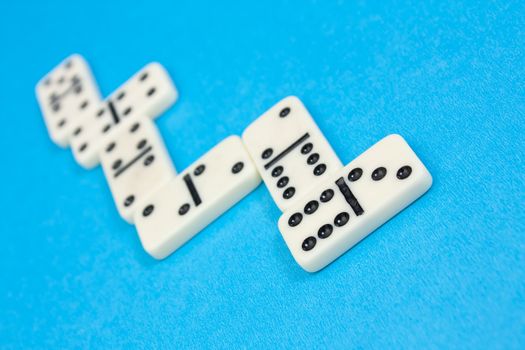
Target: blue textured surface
{"x": 446, "y": 272}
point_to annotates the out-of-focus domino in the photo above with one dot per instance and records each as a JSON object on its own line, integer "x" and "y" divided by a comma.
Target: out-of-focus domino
{"x": 65, "y": 94}
{"x": 135, "y": 162}
{"x": 149, "y": 93}
{"x": 184, "y": 206}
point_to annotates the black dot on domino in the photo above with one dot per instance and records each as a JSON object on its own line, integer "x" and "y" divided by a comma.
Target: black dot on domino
{"x": 237, "y": 167}
{"x": 319, "y": 169}
{"x": 325, "y": 231}
{"x": 106, "y": 128}
{"x": 289, "y": 192}
{"x": 284, "y": 112}
{"x": 355, "y": 174}
{"x": 379, "y": 174}
{"x": 404, "y": 172}
{"x": 311, "y": 207}
{"x": 149, "y": 159}
{"x": 199, "y": 170}
{"x": 121, "y": 95}
{"x": 84, "y": 104}
{"x": 148, "y": 210}
{"x": 68, "y": 64}
{"x": 100, "y": 112}
{"x": 309, "y": 243}
{"x": 141, "y": 144}
{"x": 56, "y": 107}
{"x": 144, "y": 76}
{"x": 341, "y": 219}
{"x": 267, "y": 153}
{"x": 283, "y": 181}
{"x": 326, "y": 195}
{"x": 134, "y": 127}
{"x": 110, "y": 147}
{"x": 277, "y": 171}
{"x": 295, "y": 219}
{"x": 127, "y": 111}
{"x": 184, "y": 209}
{"x": 116, "y": 164}
{"x": 61, "y": 123}
{"x": 61, "y": 80}
{"x": 82, "y": 147}
{"x": 129, "y": 200}
{"x": 307, "y": 148}
{"x": 78, "y": 89}
{"x": 77, "y": 131}
{"x": 312, "y": 159}
{"x": 151, "y": 92}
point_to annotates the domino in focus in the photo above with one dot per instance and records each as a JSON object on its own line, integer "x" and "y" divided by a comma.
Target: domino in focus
{"x": 353, "y": 202}
{"x": 290, "y": 151}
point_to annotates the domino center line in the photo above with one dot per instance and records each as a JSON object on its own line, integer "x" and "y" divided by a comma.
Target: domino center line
{"x": 113, "y": 112}
{"x": 191, "y": 188}
{"x": 133, "y": 161}
{"x": 349, "y": 196}
{"x": 286, "y": 151}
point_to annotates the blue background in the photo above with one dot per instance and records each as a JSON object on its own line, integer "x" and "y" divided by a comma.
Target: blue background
{"x": 446, "y": 272}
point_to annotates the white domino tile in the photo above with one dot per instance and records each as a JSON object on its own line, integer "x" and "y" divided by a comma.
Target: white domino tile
{"x": 290, "y": 151}
{"x": 65, "y": 94}
{"x": 149, "y": 92}
{"x": 187, "y": 204}
{"x": 353, "y": 202}
{"x": 135, "y": 162}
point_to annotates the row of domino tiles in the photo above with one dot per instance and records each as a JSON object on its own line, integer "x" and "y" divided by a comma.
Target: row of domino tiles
{"x": 327, "y": 207}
